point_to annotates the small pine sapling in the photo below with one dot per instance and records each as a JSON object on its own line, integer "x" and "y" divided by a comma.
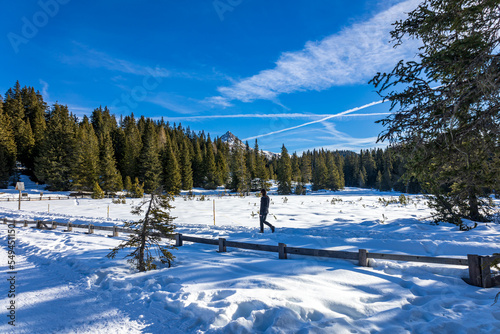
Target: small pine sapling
{"x": 97, "y": 192}
{"x": 149, "y": 231}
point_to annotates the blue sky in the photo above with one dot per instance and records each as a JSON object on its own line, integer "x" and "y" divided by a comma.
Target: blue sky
{"x": 293, "y": 72}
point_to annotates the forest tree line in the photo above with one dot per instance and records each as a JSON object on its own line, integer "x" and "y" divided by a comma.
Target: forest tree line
{"x": 66, "y": 153}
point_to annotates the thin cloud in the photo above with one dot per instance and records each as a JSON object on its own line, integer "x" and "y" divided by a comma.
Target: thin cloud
{"x": 342, "y": 140}
{"x": 98, "y": 59}
{"x": 45, "y": 89}
{"x": 352, "y": 56}
{"x": 176, "y": 103}
{"x": 343, "y": 113}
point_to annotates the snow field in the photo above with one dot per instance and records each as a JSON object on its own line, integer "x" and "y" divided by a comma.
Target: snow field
{"x": 67, "y": 285}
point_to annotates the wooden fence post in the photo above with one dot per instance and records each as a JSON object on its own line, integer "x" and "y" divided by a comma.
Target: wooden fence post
{"x": 54, "y": 226}
{"x": 178, "y": 240}
{"x": 363, "y": 258}
{"x": 69, "y": 228}
{"x": 474, "y": 270}
{"x": 25, "y": 223}
{"x": 222, "y": 245}
{"x": 91, "y": 229}
{"x": 282, "y": 251}
{"x": 485, "y": 262}
{"x": 115, "y": 231}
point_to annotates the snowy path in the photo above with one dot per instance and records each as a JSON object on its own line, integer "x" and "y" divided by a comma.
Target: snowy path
{"x": 53, "y": 292}
{"x": 67, "y": 285}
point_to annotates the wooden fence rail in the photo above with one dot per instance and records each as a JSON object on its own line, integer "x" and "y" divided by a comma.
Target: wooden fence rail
{"x": 479, "y": 266}
{"x": 33, "y": 199}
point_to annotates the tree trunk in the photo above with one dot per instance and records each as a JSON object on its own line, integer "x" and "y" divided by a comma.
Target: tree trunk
{"x": 141, "y": 264}
{"x": 474, "y": 206}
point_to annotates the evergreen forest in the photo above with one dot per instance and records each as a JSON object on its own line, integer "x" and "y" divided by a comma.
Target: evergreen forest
{"x": 110, "y": 154}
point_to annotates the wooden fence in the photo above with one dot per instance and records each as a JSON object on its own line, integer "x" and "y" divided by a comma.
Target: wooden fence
{"x": 41, "y": 198}
{"x": 479, "y": 266}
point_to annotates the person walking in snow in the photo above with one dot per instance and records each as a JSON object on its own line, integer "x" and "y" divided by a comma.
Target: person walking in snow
{"x": 264, "y": 210}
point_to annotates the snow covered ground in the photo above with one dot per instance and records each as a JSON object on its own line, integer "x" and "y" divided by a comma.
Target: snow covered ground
{"x": 65, "y": 284}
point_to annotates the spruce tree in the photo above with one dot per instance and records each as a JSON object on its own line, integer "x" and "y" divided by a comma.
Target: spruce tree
{"x": 239, "y": 176}
{"x": 284, "y": 173}
{"x": 333, "y": 181}
{"x": 379, "y": 181}
{"x": 110, "y": 178}
{"x": 222, "y": 168}
{"x": 97, "y": 192}
{"x": 147, "y": 242}
{"x": 53, "y": 165}
{"x": 8, "y": 148}
{"x": 127, "y": 184}
{"x": 35, "y": 110}
{"x": 362, "y": 178}
{"x": 149, "y": 168}
{"x": 197, "y": 163}
{"x": 445, "y": 119}
{"x": 295, "y": 167}
{"x": 137, "y": 189}
{"x": 132, "y": 148}
{"x": 185, "y": 164}
{"x": 23, "y": 134}
{"x": 320, "y": 174}
{"x": 210, "y": 167}
{"x": 305, "y": 168}
{"x": 172, "y": 174}
{"x": 250, "y": 161}
{"x": 85, "y": 158}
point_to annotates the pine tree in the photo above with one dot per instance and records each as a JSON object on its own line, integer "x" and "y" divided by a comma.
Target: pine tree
{"x": 284, "y": 173}
{"x": 7, "y": 148}
{"x": 85, "y": 157}
{"x": 110, "y": 179}
{"x": 35, "y": 110}
{"x": 147, "y": 239}
{"x": 210, "y": 167}
{"x": 239, "y": 176}
{"x": 446, "y": 123}
{"x": 305, "y": 168}
{"x": 137, "y": 189}
{"x": 149, "y": 168}
{"x": 362, "y": 178}
{"x": 295, "y": 167}
{"x": 53, "y": 165}
{"x": 197, "y": 163}
{"x": 186, "y": 170}
{"x": 250, "y": 161}
{"x": 14, "y": 110}
{"x": 97, "y": 192}
{"x": 320, "y": 174}
{"x": 333, "y": 181}
{"x": 261, "y": 171}
{"x": 222, "y": 168}
{"x": 379, "y": 181}
{"x": 172, "y": 173}
{"x": 127, "y": 184}
{"x": 132, "y": 148}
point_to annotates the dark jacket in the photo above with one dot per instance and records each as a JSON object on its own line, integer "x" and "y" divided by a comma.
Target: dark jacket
{"x": 264, "y": 205}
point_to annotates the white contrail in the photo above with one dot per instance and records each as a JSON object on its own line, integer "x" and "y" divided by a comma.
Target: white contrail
{"x": 317, "y": 121}
{"x": 289, "y": 115}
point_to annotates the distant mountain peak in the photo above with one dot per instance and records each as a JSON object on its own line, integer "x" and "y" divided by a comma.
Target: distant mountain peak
{"x": 232, "y": 140}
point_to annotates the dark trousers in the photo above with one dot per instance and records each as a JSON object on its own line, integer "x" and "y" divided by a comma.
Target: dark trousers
{"x": 262, "y": 222}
